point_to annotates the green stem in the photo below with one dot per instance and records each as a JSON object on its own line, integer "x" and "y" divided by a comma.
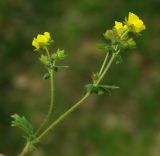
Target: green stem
{"x": 47, "y": 51}
{"x": 51, "y": 107}
{"x": 110, "y": 62}
{"x": 125, "y": 33}
{"x": 106, "y": 69}
{"x": 63, "y": 116}
{"x": 25, "y": 149}
{"x": 104, "y": 63}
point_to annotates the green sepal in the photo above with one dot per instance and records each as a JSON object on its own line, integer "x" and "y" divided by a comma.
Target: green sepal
{"x": 131, "y": 43}
{"x": 127, "y": 43}
{"x": 44, "y": 59}
{"x": 95, "y": 77}
{"x": 110, "y": 35}
{"x": 46, "y": 76}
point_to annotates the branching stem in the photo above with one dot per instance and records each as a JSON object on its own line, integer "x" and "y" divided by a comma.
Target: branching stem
{"x": 63, "y": 116}
{"x": 25, "y": 149}
{"x": 75, "y": 106}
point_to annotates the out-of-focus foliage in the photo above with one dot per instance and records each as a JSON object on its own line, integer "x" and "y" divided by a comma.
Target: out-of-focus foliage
{"x": 125, "y": 123}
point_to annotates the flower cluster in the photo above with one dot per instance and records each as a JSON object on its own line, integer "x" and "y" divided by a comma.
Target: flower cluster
{"x": 48, "y": 59}
{"x": 133, "y": 24}
{"x": 41, "y": 41}
{"x": 119, "y": 38}
{"x": 119, "y": 34}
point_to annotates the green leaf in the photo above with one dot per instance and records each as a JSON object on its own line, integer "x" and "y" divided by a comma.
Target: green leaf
{"x": 109, "y": 86}
{"x": 46, "y": 76}
{"x": 55, "y": 68}
{"x": 100, "y": 89}
{"x": 23, "y": 124}
{"x": 118, "y": 59}
{"x": 106, "y": 47}
{"x": 90, "y": 88}
{"x": 101, "y": 46}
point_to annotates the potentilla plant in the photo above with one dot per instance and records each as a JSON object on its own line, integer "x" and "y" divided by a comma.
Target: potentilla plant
{"x": 118, "y": 38}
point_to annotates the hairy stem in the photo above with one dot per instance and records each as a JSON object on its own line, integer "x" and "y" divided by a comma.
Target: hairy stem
{"x": 25, "y": 149}
{"x": 106, "y": 69}
{"x": 104, "y": 63}
{"x": 51, "y": 107}
{"x": 48, "y": 54}
{"x": 63, "y": 116}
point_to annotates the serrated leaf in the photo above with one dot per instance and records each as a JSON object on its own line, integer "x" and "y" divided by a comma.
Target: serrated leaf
{"x": 23, "y": 124}
{"x": 100, "y": 89}
{"x": 59, "y": 55}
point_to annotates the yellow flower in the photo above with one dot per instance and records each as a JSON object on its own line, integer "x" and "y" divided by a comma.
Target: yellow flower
{"x": 120, "y": 28}
{"x": 41, "y": 40}
{"x": 135, "y": 23}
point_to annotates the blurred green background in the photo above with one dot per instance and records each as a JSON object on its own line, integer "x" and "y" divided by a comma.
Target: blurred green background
{"x": 125, "y": 123}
